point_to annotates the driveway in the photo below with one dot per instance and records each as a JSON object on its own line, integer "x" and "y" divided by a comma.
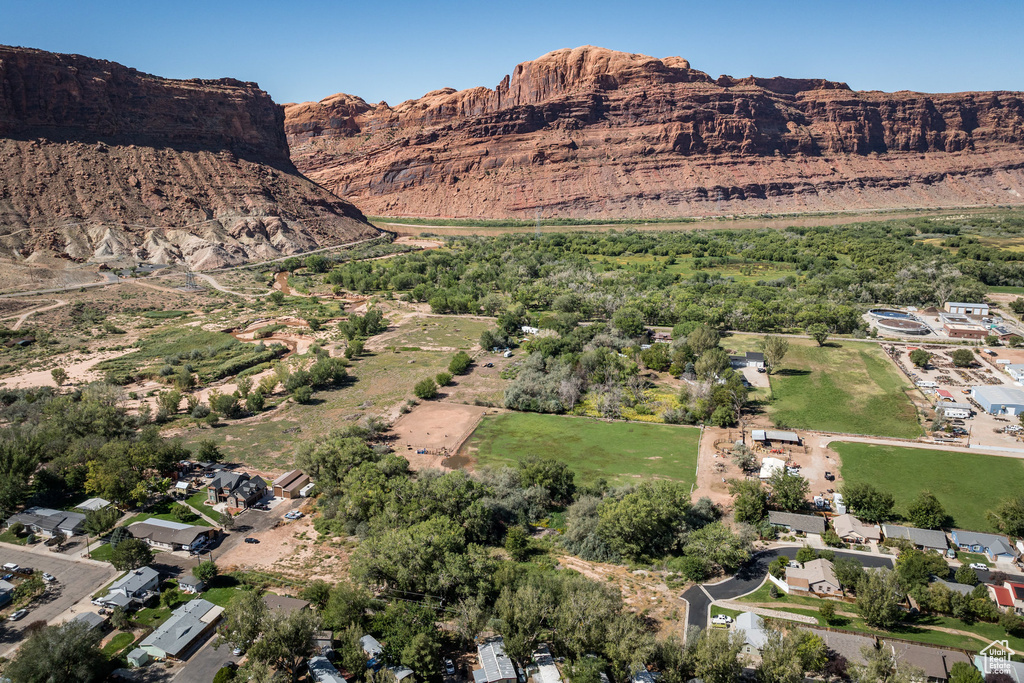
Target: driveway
{"x": 202, "y": 666}
{"x": 76, "y": 580}
{"x": 247, "y": 522}
{"x": 749, "y": 577}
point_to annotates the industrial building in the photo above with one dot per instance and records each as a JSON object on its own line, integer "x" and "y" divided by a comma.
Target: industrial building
{"x": 954, "y": 410}
{"x": 961, "y": 327}
{"x": 966, "y": 309}
{"x": 999, "y": 400}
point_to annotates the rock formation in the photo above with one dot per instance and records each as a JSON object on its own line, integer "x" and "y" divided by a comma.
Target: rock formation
{"x": 100, "y": 162}
{"x": 595, "y": 133}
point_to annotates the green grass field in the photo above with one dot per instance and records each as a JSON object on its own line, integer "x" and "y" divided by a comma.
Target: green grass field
{"x": 620, "y": 452}
{"x": 1006, "y": 290}
{"x": 967, "y": 484}
{"x": 165, "y": 511}
{"x": 846, "y": 387}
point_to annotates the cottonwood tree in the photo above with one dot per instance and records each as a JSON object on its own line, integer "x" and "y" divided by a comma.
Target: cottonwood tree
{"x": 131, "y": 553}
{"x": 881, "y": 665}
{"x": 926, "y": 512}
{"x": 244, "y": 619}
{"x": 750, "y": 502}
{"x": 818, "y": 332}
{"x": 69, "y": 652}
{"x": 716, "y": 656}
{"x": 869, "y": 503}
{"x": 1008, "y": 517}
{"x": 879, "y": 595}
{"x": 789, "y": 491}
{"x": 774, "y": 349}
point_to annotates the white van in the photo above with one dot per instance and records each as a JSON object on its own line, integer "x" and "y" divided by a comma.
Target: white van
{"x": 11, "y": 567}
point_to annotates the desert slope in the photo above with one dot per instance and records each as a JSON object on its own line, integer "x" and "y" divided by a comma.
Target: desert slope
{"x": 103, "y": 163}
{"x": 590, "y": 132}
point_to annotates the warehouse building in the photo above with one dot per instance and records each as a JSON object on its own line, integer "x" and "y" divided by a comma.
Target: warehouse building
{"x": 954, "y": 410}
{"x": 769, "y": 435}
{"x": 999, "y": 400}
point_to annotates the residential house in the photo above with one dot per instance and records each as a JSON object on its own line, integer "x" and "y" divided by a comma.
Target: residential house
{"x": 6, "y": 592}
{"x": 168, "y": 535}
{"x": 1015, "y": 670}
{"x": 751, "y": 359}
{"x": 793, "y": 523}
{"x": 188, "y": 583}
{"x": 816, "y": 576}
{"x": 322, "y": 671}
{"x": 235, "y": 489}
{"x": 925, "y": 539}
{"x": 47, "y": 522}
{"x": 133, "y": 589}
{"x": 496, "y": 667}
{"x": 754, "y": 629}
{"x": 662, "y": 337}
{"x": 961, "y": 588}
{"x": 851, "y": 529}
{"x": 1009, "y": 596}
{"x": 994, "y": 546}
{"x": 283, "y": 604}
{"x": 935, "y": 662}
{"x": 183, "y": 629}
{"x": 400, "y": 672}
{"x": 289, "y": 484}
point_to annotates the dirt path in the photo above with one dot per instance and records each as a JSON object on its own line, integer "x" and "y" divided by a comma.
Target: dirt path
{"x": 21, "y": 318}
{"x": 219, "y": 287}
{"x": 81, "y": 371}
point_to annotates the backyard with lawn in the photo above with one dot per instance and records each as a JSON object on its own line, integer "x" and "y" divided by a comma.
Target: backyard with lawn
{"x": 844, "y": 386}
{"x": 967, "y": 484}
{"x": 619, "y": 452}
{"x": 919, "y": 628}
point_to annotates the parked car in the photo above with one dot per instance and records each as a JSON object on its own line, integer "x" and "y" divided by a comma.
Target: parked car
{"x": 979, "y": 566}
{"x": 49, "y": 578}
{"x": 8, "y": 577}
{"x": 721, "y": 619}
{"x": 11, "y": 567}
{"x": 294, "y": 514}
{"x": 250, "y": 539}
{"x": 20, "y": 614}
{"x": 449, "y": 667}
{"x": 829, "y": 476}
{"x": 488, "y": 365}
{"x": 237, "y": 652}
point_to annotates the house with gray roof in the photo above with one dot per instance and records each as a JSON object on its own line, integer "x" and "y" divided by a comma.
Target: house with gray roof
{"x": 323, "y": 671}
{"x": 925, "y": 539}
{"x": 93, "y": 504}
{"x": 994, "y": 546}
{"x": 94, "y": 621}
{"x": 792, "y": 522}
{"x": 186, "y": 625}
{"x": 961, "y": 588}
{"x": 47, "y": 522}
{"x": 133, "y": 589}
{"x": 168, "y": 535}
{"x": 235, "y": 489}
{"x": 754, "y": 629}
{"x": 6, "y": 592}
{"x": 496, "y": 667}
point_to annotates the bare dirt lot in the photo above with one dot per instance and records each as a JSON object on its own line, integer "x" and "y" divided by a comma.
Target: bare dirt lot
{"x": 436, "y": 427}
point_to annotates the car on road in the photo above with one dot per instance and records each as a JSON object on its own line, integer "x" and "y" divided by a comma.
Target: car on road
{"x": 11, "y": 567}
{"x": 449, "y": 667}
{"x": 250, "y": 539}
{"x": 48, "y": 577}
{"x": 20, "y": 614}
{"x": 8, "y": 577}
{"x": 237, "y": 652}
{"x": 979, "y": 566}
{"x": 721, "y": 619}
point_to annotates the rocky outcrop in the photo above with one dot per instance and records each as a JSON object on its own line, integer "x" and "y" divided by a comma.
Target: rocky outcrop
{"x": 595, "y": 133}
{"x": 100, "y": 162}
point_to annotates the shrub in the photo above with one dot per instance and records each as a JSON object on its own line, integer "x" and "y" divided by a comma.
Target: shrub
{"x": 444, "y": 379}
{"x": 460, "y": 363}
{"x": 303, "y": 394}
{"x": 200, "y": 411}
{"x": 254, "y": 402}
{"x": 425, "y": 388}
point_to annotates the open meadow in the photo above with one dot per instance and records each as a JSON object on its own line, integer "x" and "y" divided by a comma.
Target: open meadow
{"x": 844, "y": 386}
{"x": 620, "y": 452}
{"x": 967, "y": 484}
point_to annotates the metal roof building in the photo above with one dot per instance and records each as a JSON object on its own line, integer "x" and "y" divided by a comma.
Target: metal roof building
{"x": 774, "y": 435}
{"x": 999, "y": 400}
{"x": 322, "y": 671}
{"x": 496, "y": 665}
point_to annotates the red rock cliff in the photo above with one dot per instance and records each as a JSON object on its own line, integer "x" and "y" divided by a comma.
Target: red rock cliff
{"x": 100, "y": 162}
{"x": 591, "y": 132}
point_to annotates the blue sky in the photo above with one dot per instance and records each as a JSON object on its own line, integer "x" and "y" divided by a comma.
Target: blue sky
{"x": 307, "y": 50}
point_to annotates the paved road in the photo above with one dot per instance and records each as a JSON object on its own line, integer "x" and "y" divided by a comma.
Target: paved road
{"x": 75, "y": 580}
{"x": 749, "y": 577}
{"x": 205, "y": 663}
